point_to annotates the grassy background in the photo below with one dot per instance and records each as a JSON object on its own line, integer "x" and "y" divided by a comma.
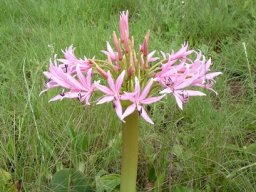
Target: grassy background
{"x": 210, "y": 146}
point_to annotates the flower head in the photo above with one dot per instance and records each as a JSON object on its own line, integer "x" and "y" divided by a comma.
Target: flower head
{"x": 125, "y": 71}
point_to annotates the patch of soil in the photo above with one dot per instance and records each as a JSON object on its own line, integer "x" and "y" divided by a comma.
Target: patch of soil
{"x": 236, "y": 89}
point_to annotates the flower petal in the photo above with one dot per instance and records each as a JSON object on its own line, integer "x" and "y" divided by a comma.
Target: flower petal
{"x": 212, "y": 75}
{"x": 137, "y": 86}
{"x": 111, "y": 81}
{"x": 146, "y": 90}
{"x": 103, "y": 88}
{"x": 105, "y": 99}
{"x": 195, "y": 93}
{"x": 150, "y": 100}
{"x": 178, "y": 101}
{"x": 119, "y": 81}
{"x": 118, "y": 108}
{"x": 145, "y": 116}
{"x": 80, "y": 76}
{"x": 69, "y": 95}
{"x": 130, "y": 109}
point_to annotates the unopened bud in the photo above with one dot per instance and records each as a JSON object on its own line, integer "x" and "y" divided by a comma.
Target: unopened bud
{"x": 117, "y": 45}
{"x": 102, "y": 72}
{"x": 144, "y": 46}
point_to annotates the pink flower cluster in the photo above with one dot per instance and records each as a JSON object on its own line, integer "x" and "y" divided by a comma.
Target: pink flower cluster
{"x": 131, "y": 79}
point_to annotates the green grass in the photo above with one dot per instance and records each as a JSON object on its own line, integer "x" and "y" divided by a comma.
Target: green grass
{"x": 210, "y": 146}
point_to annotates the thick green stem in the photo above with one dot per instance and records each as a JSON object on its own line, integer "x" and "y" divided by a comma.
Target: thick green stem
{"x": 130, "y": 136}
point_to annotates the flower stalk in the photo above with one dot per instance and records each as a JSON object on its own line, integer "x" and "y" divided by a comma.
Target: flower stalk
{"x": 130, "y": 134}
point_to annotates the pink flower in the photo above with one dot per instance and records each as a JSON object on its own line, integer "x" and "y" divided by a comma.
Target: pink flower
{"x": 138, "y": 99}
{"x": 81, "y": 88}
{"x": 149, "y": 59}
{"x": 177, "y": 78}
{"x": 181, "y": 54}
{"x": 112, "y": 56}
{"x": 124, "y": 29}
{"x": 110, "y": 53}
{"x": 112, "y": 93}
{"x": 144, "y": 46}
{"x": 70, "y": 61}
{"x": 182, "y": 96}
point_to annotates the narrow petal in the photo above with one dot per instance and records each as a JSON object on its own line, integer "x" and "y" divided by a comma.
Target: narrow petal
{"x": 89, "y": 78}
{"x": 128, "y": 96}
{"x": 212, "y": 75}
{"x": 137, "y": 86}
{"x": 103, "y": 89}
{"x": 146, "y": 90}
{"x": 119, "y": 81}
{"x": 185, "y": 83}
{"x": 105, "y": 99}
{"x": 109, "y": 48}
{"x": 130, "y": 109}
{"x": 195, "y": 93}
{"x": 167, "y": 90}
{"x": 145, "y": 116}
{"x": 57, "y": 97}
{"x": 178, "y": 101}
{"x": 76, "y": 84}
{"x": 111, "y": 81}
{"x": 150, "y": 100}
{"x": 80, "y": 76}
{"x": 118, "y": 108}
{"x": 69, "y": 95}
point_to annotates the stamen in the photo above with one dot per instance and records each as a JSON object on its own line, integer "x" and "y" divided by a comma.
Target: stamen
{"x": 185, "y": 96}
{"x": 48, "y": 80}
{"x": 79, "y": 96}
{"x": 65, "y": 68}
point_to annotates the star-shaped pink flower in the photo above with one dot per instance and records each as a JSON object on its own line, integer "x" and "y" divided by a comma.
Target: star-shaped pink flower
{"x": 112, "y": 92}
{"x": 80, "y": 88}
{"x": 138, "y": 99}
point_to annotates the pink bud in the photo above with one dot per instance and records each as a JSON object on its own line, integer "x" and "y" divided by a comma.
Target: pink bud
{"x": 102, "y": 72}
{"x": 144, "y": 46}
{"x": 117, "y": 45}
{"x": 131, "y": 71}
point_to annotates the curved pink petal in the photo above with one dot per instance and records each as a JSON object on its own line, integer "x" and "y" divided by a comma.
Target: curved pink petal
{"x": 178, "y": 101}
{"x": 150, "y": 100}
{"x": 167, "y": 90}
{"x": 145, "y": 116}
{"x": 80, "y": 76}
{"x": 61, "y": 82}
{"x": 103, "y": 89}
{"x": 105, "y": 99}
{"x": 195, "y": 93}
{"x": 146, "y": 90}
{"x": 75, "y": 84}
{"x": 89, "y": 78}
{"x": 118, "y": 108}
{"x": 212, "y": 75}
{"x": 185, "y": 83}
{"x": 137, "y": 86}
{"x": 69, "y": 95}
{"x": 128, "y": 96}
{"x": 119, "y": 81}
{"x": 130, "y": 109}
{"x": 111, "y": 82}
